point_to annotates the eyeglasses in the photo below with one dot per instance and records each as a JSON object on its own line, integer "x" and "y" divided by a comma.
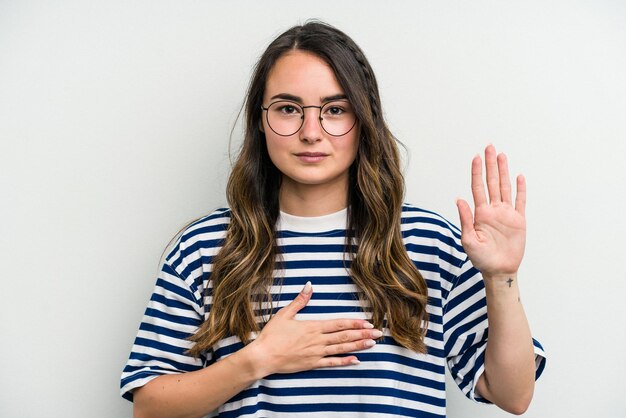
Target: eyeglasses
{"x": 285, "y": 118}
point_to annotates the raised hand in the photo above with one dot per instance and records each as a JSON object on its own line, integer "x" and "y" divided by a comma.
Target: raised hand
{"x": 495, "y": 236}
{"x": 287, "y": 345}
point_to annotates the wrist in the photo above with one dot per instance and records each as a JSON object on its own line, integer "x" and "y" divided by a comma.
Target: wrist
{"x": 500, "y": 278}
{"x": 501, "y": 288}
{"x": 251, "y": 360}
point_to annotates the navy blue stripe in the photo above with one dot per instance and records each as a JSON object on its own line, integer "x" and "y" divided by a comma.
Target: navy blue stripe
{"x": 331, "y": 407}
{"x": 317, "y": 310}
{"x": 330, "y": 309}
{"x": 181, "y": 367}
{"x": 422, "y": 249}
{"x": 423, "y": 233}
{"x": 365, "y": 356}
{"x": 164, "y": 331}
{"x": 337, "y": 280}
{"x": 410, "y": 208}
{"x": 313, "y": 264}
{"x": 435, "y": 319}
{"x": 360, "y": 374}
{"x": 128, "y": 395}
{"x": 319, "y": 296}
{"x": 340, "y": 390}
{"x": 190, "y": 232}
{"x": 183, "y": 292}
{"x": 170, "y": 303}
{"x": 341, "y": 233}
{"x": 172, "y": 318}
{"x": 315, "y": 280}
{"x": 227, "y": 349}
{"x": 426, "y": 266}
{"x": 416, "y": 220}
{"x": 430, "y": 250}
{"x": 161, "y": 346}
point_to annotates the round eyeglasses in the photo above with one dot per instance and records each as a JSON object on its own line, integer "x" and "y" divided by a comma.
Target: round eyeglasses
{"x": 286, "y": 118}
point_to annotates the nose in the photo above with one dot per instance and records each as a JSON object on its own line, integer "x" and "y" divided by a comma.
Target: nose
{"x": 311, "y": 130}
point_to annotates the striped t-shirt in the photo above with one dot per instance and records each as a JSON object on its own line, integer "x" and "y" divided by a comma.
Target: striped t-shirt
{"x": 389, "y": 380}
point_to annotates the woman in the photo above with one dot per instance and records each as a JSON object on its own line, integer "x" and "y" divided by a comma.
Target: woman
{"x": 318, "y": 291}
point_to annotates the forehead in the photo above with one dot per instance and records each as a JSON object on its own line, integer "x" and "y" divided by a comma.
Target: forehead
{"x": 302, "y": 74}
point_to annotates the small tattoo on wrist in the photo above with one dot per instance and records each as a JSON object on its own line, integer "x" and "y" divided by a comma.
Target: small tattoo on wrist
{"x": 509, "y": 281}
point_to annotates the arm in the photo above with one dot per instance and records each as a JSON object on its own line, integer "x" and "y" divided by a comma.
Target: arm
{"x": 509, "y": 377}
{"x": 494, "y": 239}
{"x": 285, "y": 345}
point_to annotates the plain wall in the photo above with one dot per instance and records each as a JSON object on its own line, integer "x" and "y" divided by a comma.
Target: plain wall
{"x": 115, "y": 119}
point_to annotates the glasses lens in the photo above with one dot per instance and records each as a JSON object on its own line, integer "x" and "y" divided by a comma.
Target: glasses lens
{"x": 337, "y": 117}
{"x": 285, "y": 118}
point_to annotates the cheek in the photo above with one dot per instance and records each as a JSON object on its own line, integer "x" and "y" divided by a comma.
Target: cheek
{"x": 352, "y": 148}
{"x": 274, "y": 149}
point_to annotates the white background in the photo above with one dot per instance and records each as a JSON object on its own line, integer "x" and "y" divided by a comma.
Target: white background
{"x": 115, "y": 119}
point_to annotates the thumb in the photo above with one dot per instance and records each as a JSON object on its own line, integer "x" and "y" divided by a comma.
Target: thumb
{"x": 299, "y": 302}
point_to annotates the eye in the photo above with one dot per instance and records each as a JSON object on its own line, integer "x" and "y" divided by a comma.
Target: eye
{"x": 339, "y": 109}
{"x": 288, "y": 109}
{"x": 335, "y": 110}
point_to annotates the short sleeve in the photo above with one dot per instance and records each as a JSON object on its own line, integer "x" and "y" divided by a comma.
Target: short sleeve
{"x": 173, "y": 314}
{"x": 466, "y": 331}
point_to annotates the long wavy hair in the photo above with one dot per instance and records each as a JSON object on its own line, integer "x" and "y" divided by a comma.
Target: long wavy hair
{"x": 381, "y": 268}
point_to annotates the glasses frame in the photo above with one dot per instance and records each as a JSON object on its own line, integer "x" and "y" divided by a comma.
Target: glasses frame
{"x": 320, "y": 118}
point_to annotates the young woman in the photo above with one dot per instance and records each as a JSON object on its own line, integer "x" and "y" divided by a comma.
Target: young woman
{"x": 317, "y": 291}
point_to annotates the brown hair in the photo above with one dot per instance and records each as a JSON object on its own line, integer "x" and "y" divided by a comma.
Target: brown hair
{"x": 243, "y": 269}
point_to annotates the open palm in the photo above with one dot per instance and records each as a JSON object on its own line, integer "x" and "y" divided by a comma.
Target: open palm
{"x": 495, "y": 235}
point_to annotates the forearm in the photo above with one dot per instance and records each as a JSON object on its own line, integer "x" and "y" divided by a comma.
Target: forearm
{"x": 509, "y": 377}
{"x": 196, "y": 393}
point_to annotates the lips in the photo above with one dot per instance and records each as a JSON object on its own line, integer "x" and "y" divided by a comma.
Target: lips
{"x": 311, "y": 154}
{"x": 311, "y": 157}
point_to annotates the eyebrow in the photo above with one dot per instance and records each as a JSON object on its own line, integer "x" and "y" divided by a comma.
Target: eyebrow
{"x": 298, "y": 99}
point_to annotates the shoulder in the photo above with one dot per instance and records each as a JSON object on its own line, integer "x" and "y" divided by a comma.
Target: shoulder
{"x": 427, "y": 232}
{"x": 199, "y": 238}
{"x": 414, "y": 217}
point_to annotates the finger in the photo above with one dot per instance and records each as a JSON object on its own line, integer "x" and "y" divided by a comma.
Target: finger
{"x": 505, "y": 182}
{"x": 298, "y": 303}
{"x": 466, "y": 217}
{"x": 334, "y": 325}
{"x": 520, "y": 195}
{"x": 493, "y": 182}
{"x": 478, "y": 188}
{"x": 337, "y": 361}
{"x": 351, "y": 336}
{"x": 335, "y": 349}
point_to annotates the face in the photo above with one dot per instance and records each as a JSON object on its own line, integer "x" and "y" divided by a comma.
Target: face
{"x": 310, "y": 157}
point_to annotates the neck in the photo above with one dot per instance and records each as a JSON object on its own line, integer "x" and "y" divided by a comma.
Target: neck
{"x": 312, "y": 200}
